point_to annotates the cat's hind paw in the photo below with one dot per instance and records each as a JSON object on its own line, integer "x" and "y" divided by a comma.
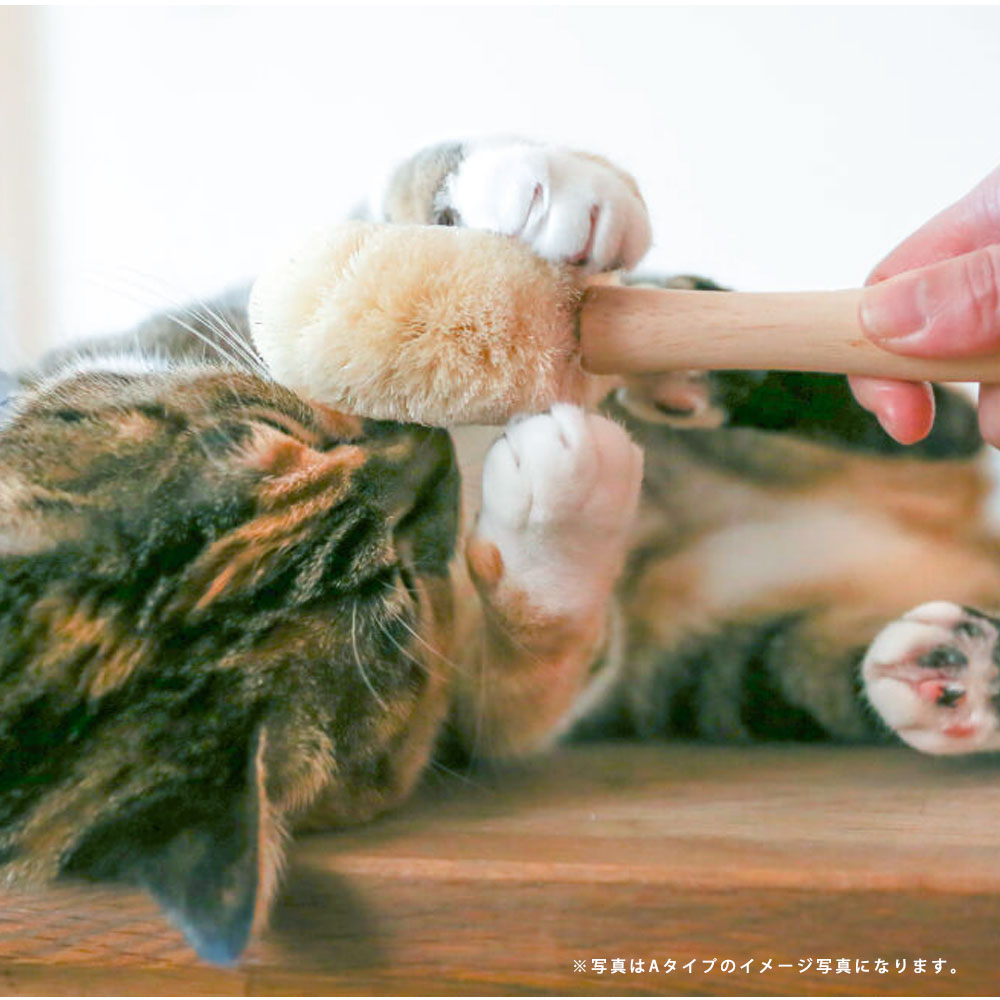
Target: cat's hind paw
{"x": 933, "y": 678}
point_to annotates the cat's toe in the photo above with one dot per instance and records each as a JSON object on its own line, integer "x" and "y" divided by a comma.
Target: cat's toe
{"x": 683, "y": 399}
{"x": 932, "y": 676}
{"x": 569, "y": 207}
{"x": 502, "y": 188}
{"x": 584, "y": 469}
{"x": 595, "y": 217}
{"x": 563, "y": 469}
{"x": 560, "y": 492}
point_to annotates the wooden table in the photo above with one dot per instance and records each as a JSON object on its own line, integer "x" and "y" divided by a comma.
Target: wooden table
{"x": 499, "y": 883}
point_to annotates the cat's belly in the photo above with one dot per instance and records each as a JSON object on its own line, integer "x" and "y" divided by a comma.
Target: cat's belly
{"x": 800, "y": 546}
{"x": 799, "y": 553}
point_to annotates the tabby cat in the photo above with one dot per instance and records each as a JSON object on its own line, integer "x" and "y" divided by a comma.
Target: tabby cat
{"x": 227, "y": 612}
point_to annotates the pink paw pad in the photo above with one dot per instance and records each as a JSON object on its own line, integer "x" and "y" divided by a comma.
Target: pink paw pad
{"x": 932, "y": 676}
{"x": 941, "y": 692}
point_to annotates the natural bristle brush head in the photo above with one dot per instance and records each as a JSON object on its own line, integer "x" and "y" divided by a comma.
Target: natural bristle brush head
{"x": 426, "y": 324}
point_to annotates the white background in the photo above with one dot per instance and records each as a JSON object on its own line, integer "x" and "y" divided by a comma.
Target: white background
{"x": 778, "y": 148}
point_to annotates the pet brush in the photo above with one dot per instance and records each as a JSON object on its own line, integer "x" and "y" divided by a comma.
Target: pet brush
{"x": 444, "y": 326}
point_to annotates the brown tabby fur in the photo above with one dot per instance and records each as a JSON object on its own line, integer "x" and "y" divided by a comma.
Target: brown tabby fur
{"x": 220, "y": 607}
{"x": 225, "y": 611}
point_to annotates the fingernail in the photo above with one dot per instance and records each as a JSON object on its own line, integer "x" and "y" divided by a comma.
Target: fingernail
{"x": 895, "y": 308}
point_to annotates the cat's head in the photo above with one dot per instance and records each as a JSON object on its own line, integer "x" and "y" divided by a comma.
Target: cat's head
{"x": 215, "y": 601}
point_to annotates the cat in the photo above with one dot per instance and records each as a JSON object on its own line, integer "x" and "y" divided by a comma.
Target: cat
{"x": 227, "y": 612}
{"x": 794, "y": 573}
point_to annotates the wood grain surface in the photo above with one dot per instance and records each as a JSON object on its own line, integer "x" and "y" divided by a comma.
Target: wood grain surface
{"x": 645, "y": 330}
{"x": 496, "y": 883}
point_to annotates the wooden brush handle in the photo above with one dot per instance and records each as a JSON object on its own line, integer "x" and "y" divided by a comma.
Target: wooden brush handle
{"x": 644, "y": 330}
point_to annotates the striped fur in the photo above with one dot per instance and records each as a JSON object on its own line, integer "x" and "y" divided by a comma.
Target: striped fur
{"x": 226, "y": 609}
{"x": 226, "y": 612}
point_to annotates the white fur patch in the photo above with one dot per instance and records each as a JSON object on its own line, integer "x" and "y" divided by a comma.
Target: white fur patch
{"x": 565, "y": 206}
{"x": 560, "y": 492}
{"x": 797, "y": 544}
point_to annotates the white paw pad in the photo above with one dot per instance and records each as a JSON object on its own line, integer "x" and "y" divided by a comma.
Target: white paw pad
{"x": 933, "y": 677}
{"x": 560, "y": 492}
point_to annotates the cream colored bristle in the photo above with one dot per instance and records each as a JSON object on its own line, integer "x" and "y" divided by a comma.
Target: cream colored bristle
{"x": 418, "y": 323}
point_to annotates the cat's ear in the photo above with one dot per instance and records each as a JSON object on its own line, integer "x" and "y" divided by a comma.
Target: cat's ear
{"x": 214, "y": 880}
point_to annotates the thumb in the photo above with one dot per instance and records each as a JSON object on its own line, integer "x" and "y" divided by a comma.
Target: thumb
{"x": 950, "y": 309}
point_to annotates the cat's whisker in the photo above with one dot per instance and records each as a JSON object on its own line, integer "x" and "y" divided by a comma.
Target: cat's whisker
{"x": 238, "y": 354}
{"x": 408, "y": 655}
{"x": 423, "y": 642}
{"x": 230, "y": 336}
{"x": 217, "y": 457}
{"x": 214, "y": 459}
{"x": 171, "y": 311}
{"x": 498, "y": 622}
{"x": 225, "y": 328}
{"x": 464, "y": 778}
{"x": 391, "y": 588}
{"x": 357, "y": 658}
{"x": 200, "y": 309}
{"x": 233, "y": 359}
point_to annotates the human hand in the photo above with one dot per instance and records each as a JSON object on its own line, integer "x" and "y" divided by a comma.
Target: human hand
{"x": 937, "y": 295}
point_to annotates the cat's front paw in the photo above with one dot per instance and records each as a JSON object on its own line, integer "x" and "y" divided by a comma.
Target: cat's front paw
{"x": 932, "y": 676}
{"x": 568, "y": 207}
{"x": 560, "y": 492}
